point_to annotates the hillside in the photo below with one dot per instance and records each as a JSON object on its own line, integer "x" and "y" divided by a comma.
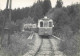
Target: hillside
{"x": 67, "y": 27}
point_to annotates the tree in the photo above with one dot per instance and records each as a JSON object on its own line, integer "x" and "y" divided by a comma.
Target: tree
{"x": 28, "y": 20}
{"x": 74, "y": 14}
{"x": 59, "y": 4}
{"x": 46, "y": 6}
{"x": 36, "y": 11}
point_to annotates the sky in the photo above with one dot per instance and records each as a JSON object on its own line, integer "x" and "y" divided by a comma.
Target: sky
{"x": 28, "y": 3}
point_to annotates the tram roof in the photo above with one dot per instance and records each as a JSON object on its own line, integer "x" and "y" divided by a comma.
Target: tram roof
{"x": 45, "y": 19}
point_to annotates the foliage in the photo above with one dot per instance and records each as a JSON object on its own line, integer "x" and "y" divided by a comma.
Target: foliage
{"x": 46, "y": 6}
{"x": 28, "y": 20}
{"x": 18, "y": 43}
{"x": 59, "y": 4}
{"x": 66, "y": 22}
{"x": 36, "y": 11}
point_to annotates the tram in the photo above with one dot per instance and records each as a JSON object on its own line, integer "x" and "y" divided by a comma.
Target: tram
{"x": 45, "y": 26}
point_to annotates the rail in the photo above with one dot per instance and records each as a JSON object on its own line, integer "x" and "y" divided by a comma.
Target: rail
{"x": 46, "y": 48}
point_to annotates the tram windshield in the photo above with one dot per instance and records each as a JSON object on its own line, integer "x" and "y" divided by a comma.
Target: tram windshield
{"x": 50, "y": 24}
{"x": 41, "y": 24}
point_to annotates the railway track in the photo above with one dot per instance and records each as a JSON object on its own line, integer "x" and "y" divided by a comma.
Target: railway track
{"x": 47, "y": 46}
{"x": 45, "y": 49}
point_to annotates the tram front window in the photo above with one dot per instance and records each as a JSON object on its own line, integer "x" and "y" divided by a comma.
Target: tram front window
{"x": 41, "y": 24}
{"x": 50, "y": 24}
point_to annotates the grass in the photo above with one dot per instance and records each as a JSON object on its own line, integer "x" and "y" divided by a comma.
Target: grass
{"x": 18, "y": 44}
{"x": 71, "y": 47}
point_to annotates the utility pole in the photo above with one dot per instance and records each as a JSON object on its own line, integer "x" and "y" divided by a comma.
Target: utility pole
{"x": 7, "y": 19}
{"x": 2, "y": 34}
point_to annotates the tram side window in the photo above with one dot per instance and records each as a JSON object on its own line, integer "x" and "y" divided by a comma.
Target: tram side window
{"x": 41, "y": 24}
{"x": 50, "y": 24}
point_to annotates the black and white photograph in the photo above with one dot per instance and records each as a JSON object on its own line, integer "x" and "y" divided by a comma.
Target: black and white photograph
{"x": 39, "y": 27}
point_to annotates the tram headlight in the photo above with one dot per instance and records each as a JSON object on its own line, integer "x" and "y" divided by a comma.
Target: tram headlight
{"x": 52, "y": 25}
